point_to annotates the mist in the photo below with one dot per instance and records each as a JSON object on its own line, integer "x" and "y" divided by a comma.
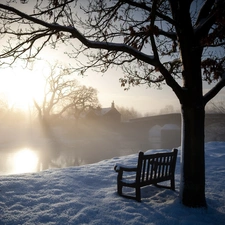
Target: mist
{"x": 62, "y": 143}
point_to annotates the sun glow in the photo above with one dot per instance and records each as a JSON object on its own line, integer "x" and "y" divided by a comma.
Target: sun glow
{"x": 21, "y": 86}
{"x": 25, "y": 161}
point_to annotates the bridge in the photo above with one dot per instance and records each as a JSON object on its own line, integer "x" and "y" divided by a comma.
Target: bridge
{"x": 173, "y": 118}
{"x": 139, "y": 128}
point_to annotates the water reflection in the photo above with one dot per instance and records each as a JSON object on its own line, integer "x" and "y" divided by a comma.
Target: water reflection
{"x": 29, "y": 150}
{"x": 24, "y": 161}
{"x": 74, "y": 153}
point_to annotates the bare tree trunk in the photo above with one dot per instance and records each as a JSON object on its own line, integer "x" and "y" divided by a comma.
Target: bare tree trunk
{"x": 192, "y": 189}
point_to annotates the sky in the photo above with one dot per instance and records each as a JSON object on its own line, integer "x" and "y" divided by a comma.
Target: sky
{"x": 143, "y": 99}
{"x": 20, "y": 84}
{"x": 87, "y": 195}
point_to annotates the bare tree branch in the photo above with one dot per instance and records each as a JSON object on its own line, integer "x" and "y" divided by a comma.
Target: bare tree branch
{"x": 215, "y": 90}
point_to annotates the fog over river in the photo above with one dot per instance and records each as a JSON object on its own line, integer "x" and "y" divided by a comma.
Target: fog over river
{"x": 34, "y": 147}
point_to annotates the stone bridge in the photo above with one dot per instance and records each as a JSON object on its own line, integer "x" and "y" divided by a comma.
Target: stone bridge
{"x": 150, "y": 121}
{"x": 173, "y": 118}
{"x": 170, "y": 136}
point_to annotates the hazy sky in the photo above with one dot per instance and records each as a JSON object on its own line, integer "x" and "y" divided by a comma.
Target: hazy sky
{"x": 142, "y": 98}
{"x": 19, "y": 82}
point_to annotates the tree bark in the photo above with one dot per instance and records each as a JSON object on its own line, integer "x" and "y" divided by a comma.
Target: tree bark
{"x": 193, "y": 157}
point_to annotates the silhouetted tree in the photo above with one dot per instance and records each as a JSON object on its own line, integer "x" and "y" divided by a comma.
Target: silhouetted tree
{"x": 9, "y": 113}
{"x": 154, "y": 41}
{"x": 128, "y": 113}
{"x": 82, "y": 100}
{"x": 167, "y": 109}
{"x": 62, "y": 94}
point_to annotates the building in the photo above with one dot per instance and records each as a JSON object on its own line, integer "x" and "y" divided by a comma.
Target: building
{"x": 107, "y": 116}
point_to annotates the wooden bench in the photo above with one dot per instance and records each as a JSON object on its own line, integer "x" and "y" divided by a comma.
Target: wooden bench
{"x": 150, "y": 169}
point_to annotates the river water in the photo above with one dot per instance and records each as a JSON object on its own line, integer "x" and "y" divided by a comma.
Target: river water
{"x": 29, "y": 148}
{"x": 29, "y": 159}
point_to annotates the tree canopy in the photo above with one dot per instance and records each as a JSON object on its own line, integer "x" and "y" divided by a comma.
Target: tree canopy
{"x": 139, "y": 35}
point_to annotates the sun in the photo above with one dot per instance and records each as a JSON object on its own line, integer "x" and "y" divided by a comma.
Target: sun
{"x": 21, "y": 86}
{"x": 20, "y": 92}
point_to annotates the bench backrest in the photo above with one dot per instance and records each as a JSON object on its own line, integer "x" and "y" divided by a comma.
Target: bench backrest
{"x": 155, "y": 167}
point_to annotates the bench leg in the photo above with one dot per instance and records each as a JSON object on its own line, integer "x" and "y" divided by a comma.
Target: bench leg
{"x": 138, "y": 194}
{"x": 172, "y": 184}
{"x": 119, "y": 189}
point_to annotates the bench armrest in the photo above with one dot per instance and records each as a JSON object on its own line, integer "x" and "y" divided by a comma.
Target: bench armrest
{"x": 120, "y": 167}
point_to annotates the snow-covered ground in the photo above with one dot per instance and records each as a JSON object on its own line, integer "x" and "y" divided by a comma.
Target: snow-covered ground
{"x": 87, "y": 195}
